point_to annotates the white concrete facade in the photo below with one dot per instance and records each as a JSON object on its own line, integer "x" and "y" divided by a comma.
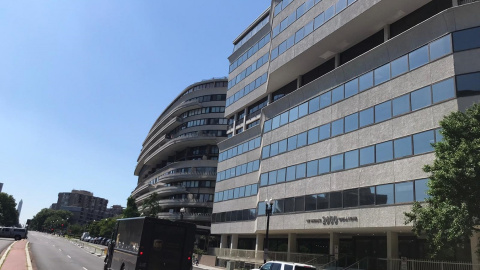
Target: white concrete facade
{"x": 357, "y": 22}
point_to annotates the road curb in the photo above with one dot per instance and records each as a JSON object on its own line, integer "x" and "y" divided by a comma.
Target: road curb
{"x": 2, "y": 260}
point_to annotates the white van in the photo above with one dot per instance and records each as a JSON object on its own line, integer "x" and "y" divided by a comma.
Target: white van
{"x": 275, "y": 265}
{"x": 10, "y": 232}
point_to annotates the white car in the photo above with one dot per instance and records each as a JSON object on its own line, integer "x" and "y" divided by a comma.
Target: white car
{"x": 275, "y": 265}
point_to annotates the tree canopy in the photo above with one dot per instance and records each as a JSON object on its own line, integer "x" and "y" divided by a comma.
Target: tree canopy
{"x": 8, "y": 212}
{"x": 151, "y": 206}
{"x": 102, "y": 228}
{"x": 131, "y": 210}
{"x": 451, "y": 213}
{"x": 48, "y": 219}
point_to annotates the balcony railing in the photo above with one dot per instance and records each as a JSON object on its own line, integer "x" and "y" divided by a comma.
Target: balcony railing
{"x": 253, "y": 115}
{"x": 186, "y": 216}
{"x": 463, "y": 2}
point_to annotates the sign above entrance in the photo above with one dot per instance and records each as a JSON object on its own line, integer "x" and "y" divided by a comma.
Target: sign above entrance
{"x": 332, "y": 220}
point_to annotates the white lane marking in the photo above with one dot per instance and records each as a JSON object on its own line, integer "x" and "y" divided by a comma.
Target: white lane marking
{"x": 69, "y": 256}
{"x": 84, "y": 268}
{"x": 60, "y": 249}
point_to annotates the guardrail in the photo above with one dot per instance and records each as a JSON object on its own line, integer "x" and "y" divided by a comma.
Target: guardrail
{"x": 95, "y": 250}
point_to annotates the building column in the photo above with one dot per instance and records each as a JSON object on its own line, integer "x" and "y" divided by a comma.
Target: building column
{"x": 392, "y": 245}
{"x": 455, "y": 3}
{"x": 386, "y": 33}
{"x": 223, "y": 241}
{"x": 392, "y": 249}
{"x": 299, "y": 81}
{"x": 292, "y": 245}
{"x": 259, "y": 246}
{"x": 245, "y": 113}
{"x": 474, "y": 242}
{"x": 234, "y": 242}
{"x": 337, "y": 60}
{"x": 334, "y": 243}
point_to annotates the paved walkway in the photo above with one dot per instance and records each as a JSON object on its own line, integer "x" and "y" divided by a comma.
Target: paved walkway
{"x": 15, "y": 257}
{"x": 206, "y": 267}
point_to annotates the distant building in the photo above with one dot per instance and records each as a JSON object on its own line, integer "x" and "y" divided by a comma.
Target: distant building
{"x": 114, "y": 211}
{"x": 84, "y": 206}
{"x": 19, "y": 207}
{"x": 53, "y": 206}
{"x": 1, "y": 186}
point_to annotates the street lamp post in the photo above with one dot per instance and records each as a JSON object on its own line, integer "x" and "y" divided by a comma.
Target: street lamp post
{"x": 268, "y": 211}
{"x": 182, "y": 210}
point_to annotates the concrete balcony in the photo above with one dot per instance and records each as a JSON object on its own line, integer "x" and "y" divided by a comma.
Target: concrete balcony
{"x": 174, "y": 177}
{"x": 161, "y": 191}
{"x": 182, "y": 141}
{"x": 183, "y": 107}
{"x": 164, "y": 129}
{"x": 185, "y": 203}
{"x": 194, "y": 217}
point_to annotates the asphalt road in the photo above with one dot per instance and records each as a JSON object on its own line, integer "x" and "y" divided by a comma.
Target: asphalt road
{"x": 52, "y": 252}
{"x": 4, "y": 243}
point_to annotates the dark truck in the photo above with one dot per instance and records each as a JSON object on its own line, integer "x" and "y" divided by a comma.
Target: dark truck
{"x": 146, "y": 243}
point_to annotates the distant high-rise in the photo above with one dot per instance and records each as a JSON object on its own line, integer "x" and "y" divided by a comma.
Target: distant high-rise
{"x": 84, "y": 206}
{"x": 19, "y": 207}
{"x": 1, "y": 186}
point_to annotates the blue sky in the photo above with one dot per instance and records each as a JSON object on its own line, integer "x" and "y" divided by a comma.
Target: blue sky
{"x": 81, "y": 83}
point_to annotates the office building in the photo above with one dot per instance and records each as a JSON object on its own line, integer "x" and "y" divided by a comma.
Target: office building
{"x": 83, "y": 205}
{"x": 179, "y": 156}
{"x": 332, "y": 107}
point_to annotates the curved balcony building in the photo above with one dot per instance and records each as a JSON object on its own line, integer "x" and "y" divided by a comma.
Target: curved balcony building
{"x": 179, "y": 155}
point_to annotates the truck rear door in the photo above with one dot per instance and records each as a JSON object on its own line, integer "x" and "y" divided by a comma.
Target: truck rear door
{"x": 167, "y": 248}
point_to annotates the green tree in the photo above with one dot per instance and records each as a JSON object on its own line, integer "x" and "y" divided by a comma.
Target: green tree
{"x": 48, "y": 219}
{"x": 131, "y": 210}
{"x": 151, "y": 207}
{"x": 75, "y": 229}
{"x": 8, "y": 211}
{"x": 451, "y": 213}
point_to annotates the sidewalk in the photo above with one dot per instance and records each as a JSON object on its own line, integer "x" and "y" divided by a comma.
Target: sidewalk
{"x": 15, "y": 257}
{"x": 206, "y": 267}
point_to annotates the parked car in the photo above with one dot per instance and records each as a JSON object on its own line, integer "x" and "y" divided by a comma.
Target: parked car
{"x": 84, "y": 235}
{"x": 275, "y": 265}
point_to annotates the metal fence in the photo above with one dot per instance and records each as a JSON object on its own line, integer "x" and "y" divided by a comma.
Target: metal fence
{"x": 256, "y": 257}
{"x": 397, "y": 264}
